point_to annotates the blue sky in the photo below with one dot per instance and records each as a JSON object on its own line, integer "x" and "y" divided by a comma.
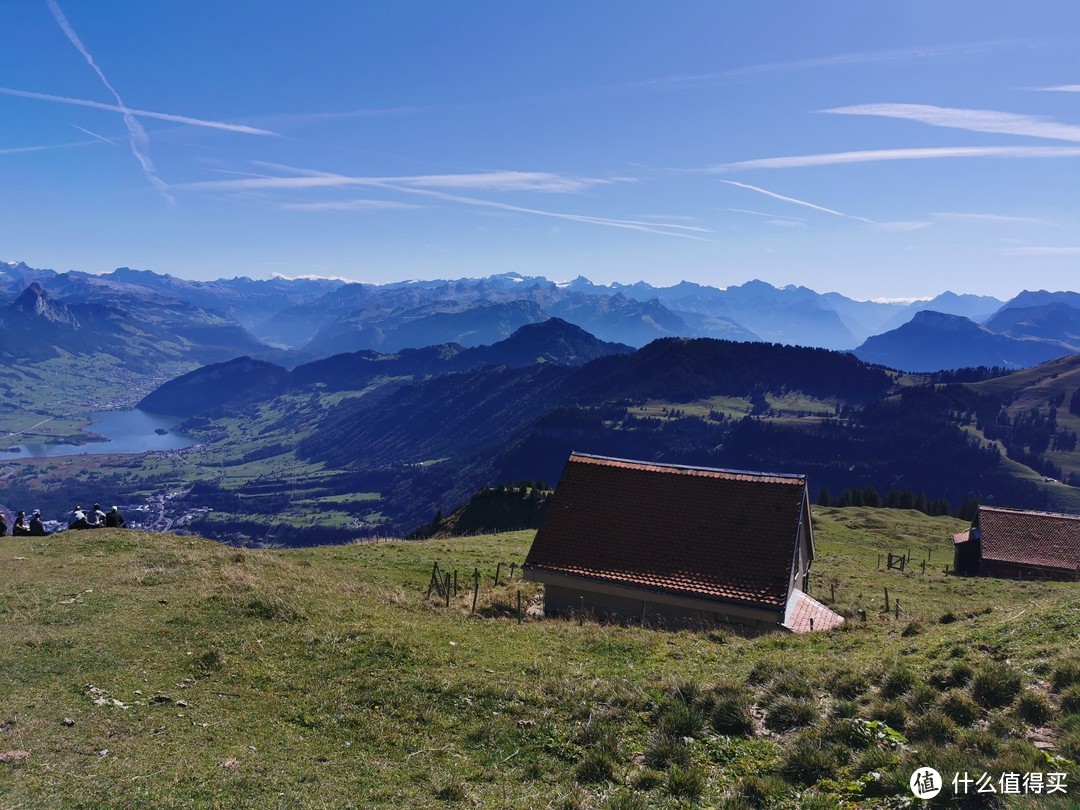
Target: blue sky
{"x": 882, "y": 150}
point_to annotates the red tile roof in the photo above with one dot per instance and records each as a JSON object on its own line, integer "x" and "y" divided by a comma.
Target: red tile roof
{"x": 806, "y": 614}
{"x": 693, "y": 531}
{"x": 1043, "y": 539}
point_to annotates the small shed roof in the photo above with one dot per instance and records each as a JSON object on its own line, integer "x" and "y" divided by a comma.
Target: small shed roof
{"x": 806, "y": 615}
{"x": 1042, "y": 539}
{"x": 728, "y": 535}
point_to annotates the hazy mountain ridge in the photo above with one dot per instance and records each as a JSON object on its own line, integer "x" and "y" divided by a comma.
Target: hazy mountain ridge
{"x": 935, "y": 341}
{"x": 245, "y": 380}
{"x": 321, "y": 317}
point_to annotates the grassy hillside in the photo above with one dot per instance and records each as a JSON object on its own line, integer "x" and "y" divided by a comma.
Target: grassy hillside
{"x": 166, "y": 671}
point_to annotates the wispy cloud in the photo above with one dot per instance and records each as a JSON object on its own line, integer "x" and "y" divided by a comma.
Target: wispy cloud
{"x": 17, "y": 150}
{"x": 836, "y": 60}
{"x": 994, "y": 219}
{"x": 349, "y": 205}
{"x": 159, "y": 116}
{"x": 1032, "y": 126}
{"x": 1061, "y": 88}
{"x": 287, "y": 119}
{"x": 138, "y": 138}
{"x": 762, "y": 214}
{"x": 1042, "y": 250}
{"x": 902, "y": 226}
{"x": 480, "y": 181}
{"x": 918, "y": 153}
{"x": 429, "y": 185}
{"x": 794, "y": 201}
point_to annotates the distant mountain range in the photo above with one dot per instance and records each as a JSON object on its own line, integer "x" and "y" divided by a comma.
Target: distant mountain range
{"x": 245, "y": 380}
{"x": 292, "y": 322}
{"x": 426, "y": 428}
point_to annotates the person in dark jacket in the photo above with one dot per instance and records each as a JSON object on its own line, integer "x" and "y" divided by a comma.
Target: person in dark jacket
{"x": 114, "y": 520}
{"x": 3, "y": 525}
{"x": 20, "y": 526}
{"x": 37, "y": 527}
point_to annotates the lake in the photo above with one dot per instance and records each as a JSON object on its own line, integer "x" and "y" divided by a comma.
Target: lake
{"x": 127, "y": 431}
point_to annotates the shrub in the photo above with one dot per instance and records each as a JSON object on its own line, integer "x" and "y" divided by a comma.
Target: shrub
{"x": 1033, "y": 708}
{"x": 934, "y": 726}
{"x": 960, "y": 708}
{"x": 995, "y": 685}
{"x": 897, "y": 681}
{"x": 788, "y": 713}
{"x": 686, "y": 781}
{"x": 913, "y": 628}
{"x": 947, "y": 618}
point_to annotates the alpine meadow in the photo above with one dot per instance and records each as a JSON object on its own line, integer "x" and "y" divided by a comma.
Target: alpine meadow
{"x": 598, "y": 406}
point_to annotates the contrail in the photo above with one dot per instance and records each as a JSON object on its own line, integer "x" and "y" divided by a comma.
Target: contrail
{"x": 138, "y": 137}
{"x": 95, "y": 135}
{"x": 796, "y": 202}
{"x": 178, "y": 119}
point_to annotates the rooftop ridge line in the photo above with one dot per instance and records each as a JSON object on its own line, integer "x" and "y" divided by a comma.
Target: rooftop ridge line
{"x": 637, "y": 463}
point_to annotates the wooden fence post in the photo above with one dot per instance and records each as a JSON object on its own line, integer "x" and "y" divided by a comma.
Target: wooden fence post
{"x": 832, "y": 592}
{"x": 896, "y": 603}
{"x": 519, "y": 607}
{"x": 581, "y": 612}
{"x": 476, "y": 588}
{"x": 886, "y": 598}
{"x": 434, "y": 581}
{"x": 448, "y": 589}
{"x": 498, "y": 570}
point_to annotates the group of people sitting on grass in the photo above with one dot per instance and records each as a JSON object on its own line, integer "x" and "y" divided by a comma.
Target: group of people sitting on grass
{"x": 33, "y": 526}
{"x": 96, "y": 519}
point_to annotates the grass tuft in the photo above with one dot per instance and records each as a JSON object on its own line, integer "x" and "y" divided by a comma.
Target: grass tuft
{"x": 958, "y": 706}
{"x": 790, "y": 713}
{"x": 1032, "y": 707}
{"x": 995, "y": 685}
